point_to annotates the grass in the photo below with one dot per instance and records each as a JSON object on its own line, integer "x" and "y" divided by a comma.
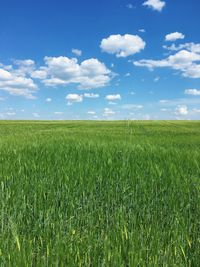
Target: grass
{"x": 99, "y": 193}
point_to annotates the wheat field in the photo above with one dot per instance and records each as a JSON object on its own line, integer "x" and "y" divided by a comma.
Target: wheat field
{"x": 80, "y": 193}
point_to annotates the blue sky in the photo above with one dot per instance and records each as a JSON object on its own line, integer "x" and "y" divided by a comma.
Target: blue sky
{"x": 113, "y": 59}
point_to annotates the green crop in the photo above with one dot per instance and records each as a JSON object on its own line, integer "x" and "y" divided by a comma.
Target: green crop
{"x": 100, "y": 193}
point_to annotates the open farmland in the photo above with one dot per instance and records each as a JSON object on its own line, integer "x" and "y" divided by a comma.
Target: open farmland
{"x": 100, "y": 193}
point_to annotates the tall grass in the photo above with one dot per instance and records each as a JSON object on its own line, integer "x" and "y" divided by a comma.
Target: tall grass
{"x": 99, "y": 194}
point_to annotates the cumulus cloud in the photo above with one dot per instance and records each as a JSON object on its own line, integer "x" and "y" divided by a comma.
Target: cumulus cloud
{"x": 62, "y": 71}
{"x": 25, "y": 64}
{"x": 192, "y": 47}
{"x": 174, "y": 36}
{"x": 185, "y": 61}
{"x": 48, "y": 99}
{"x": 122, "y": 45}
{"x": 88, "y": 95}
{"x": 77, "y": 52}
{"x": 40, "y": 73}
{"x": 16, "y": 80}
{"x": 24, "y": 67}
{"x": 74, "y": 98}
{"x": 113, "y": 97}
{"x": 193, "y": 71}
{"x": 155, "y": 4}
{"x": 194, "y": 92}
{"x": 181, "y": 110}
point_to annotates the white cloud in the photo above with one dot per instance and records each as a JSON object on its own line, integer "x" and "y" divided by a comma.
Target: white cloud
{"x": 194, "y": 92}
{"x": 91, "y": 112}
{"x": 172, "y": 47}
{"x": 142, "y": 30}
{"x": 24, "y": 67}
{"x": 16, "y": 82}
{"x": 195, "y": 110}
{"x": 155, "y": 4}
{"x": 113, "y": 97}
{"x": 193, "y": 71}
{"x": 192, "y": 47}
{"x": 122, "y": 45}
{"x": 88, "y": 95}
{"x": 77, "y": 52}
{"x": 41, "y": 73}
{"x": 48, "y": 99}
{"x": 62, "y": 71}
{"x": 184, "y": 61}
{"x": 151, "y": 64}
{"x": 25, "y": 62}
{"x": 74, "y": 98}
{"x": 174, "y": 36}
{"x": 108, "y": 112}
{"x": 181, "y": 110}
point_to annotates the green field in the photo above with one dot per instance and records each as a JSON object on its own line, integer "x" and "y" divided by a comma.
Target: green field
{"x": 100, "y": 193}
